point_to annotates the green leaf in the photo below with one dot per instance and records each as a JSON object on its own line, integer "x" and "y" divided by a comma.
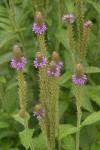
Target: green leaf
{"x": 26, "y": 137}
{"x": 95, "y": 146}
{"x": 62, "y": 37}
{"x": 39, "y": 143}
{"x": 65, "y": 77}
{"x": 94, "y": 93}
{"x": 5, "y": 58}
{"x": 88, "y": 136}
{"x": 2, "y": 80}
{"x": 3, "y": 125}
{"x": 94, "y": 117}
{"x": 86, "y": 103}
{"x": 19, "y": 119}
{"x": 92, "y": 70}
{"x": 68, "y": 143}
{"x": 95, "y": 5}
{"x": 65, "y": 130}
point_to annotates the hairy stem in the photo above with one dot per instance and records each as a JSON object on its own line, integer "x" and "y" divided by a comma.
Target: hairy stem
{"x": 42, "y": 45}
{"x": 80, "y": 18}
{"x": 78, "y": 105}
{"x": 54, "y": 119}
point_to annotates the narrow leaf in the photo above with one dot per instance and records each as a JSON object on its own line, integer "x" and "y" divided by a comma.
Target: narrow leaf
{"x": 94, "y": 117}
{"x": 66, "y": 130}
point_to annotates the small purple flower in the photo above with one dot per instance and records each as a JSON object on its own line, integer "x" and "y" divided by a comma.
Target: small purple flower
{"x": 88, "y": 24}
{"x": 18, "y": 65}
{"x": 39, "y": 29}
{"x": 79, "y": 81}
{"x": 55, "y": 74}
{"x": 69, "y": 17}
{"x": 54, "y": 69}
{"x": 60, "y": 64}
{"x": 39, "y": 113}
{"x": 38, "y": 63}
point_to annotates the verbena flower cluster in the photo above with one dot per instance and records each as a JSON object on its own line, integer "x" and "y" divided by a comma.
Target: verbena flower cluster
{"x": 79, "y": 81}
{"x": 88, "y": 24}
{"x": 38, "y": 63}
{"x": 18, "y": 65}
{"x": 69, "y": 17}
{"x": 38, "y": 29}
{"x": 56, "y": 70}
{"x": 39, "y": 114}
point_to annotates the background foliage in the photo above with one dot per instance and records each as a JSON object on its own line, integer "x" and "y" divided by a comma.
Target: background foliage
{"x": 16, "y": 20}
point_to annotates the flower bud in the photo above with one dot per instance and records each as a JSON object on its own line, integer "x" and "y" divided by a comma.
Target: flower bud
{"x": 17, "y": 53}
{"x": 52, "y": 66}
{"x": 38, "y": 108}
{"x": 39, "y": 56}
{"x": 79, "y": 71}
{"x": 55, "y": 56}
{"x": 39, "y": 19}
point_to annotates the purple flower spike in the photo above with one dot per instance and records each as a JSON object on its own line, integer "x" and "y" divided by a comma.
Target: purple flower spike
{"x": 39, "y": 112}
{"x": 69, "y": 17}
{"x": 37, "y": 63}
{"x": 88, "y": 24}
{"x": 55, "y": 73}
{"x": 64, "y": 17}
{"x": 38, "y": 29}
{"x": 79, "y": 81}
{"x": 38, "y": 117}
{"x": 54, "y": 69}
{"x": 18, "y": 65}
{"x": 60, "y": 64}
{"x": 43, "y": 112}
{"x": 34, "y": 113}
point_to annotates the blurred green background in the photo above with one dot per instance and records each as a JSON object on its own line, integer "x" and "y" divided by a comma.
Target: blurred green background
{"x": 16, "y": 21}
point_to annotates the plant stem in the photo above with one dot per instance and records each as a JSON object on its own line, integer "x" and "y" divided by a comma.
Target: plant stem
{"x": 78, "y": 133}
{"x": 78, "y": 104}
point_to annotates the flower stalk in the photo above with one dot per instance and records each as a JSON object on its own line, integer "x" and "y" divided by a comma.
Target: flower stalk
{"x": 18, "y": 62}
{"x": 54, "y": 119}
{"x": 54, "y": 73}
{"x": 85, "y": 39}
{"x": 80, "y": 18}
{"x": 78, "y": 79}
{"x": 79, "y": 113}
{"x": 69, "y": 20}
